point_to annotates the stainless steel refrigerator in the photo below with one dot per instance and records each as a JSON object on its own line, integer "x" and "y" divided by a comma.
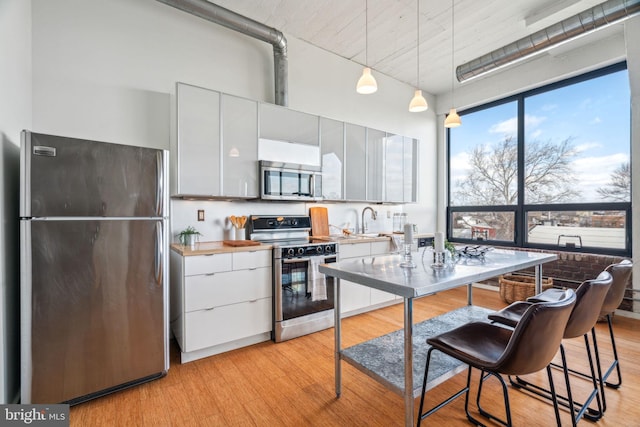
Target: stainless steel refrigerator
{"x": 94, "y": 267}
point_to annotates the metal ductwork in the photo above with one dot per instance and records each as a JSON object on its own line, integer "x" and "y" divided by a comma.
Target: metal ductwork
{"x": 596, "y": 18}
{"x": 219, "y": 15}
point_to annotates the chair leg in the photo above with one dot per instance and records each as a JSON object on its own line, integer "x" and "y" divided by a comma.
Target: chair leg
{"x": 592, "y": 414}
{"x": 599, "y": 367}
{"x": 484, "y": 413}
{"x": 554, "y": 396}
{"x": 616, "y": 361}
{"x": 421, "y": 415}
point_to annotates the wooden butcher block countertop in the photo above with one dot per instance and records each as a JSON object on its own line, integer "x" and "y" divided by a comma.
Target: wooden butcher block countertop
{"x": 208, "y": 248}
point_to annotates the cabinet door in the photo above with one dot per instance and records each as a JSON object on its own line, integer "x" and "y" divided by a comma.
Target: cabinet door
{"x": 198, "y": 116}
{"x": 239, "y": 147}
{"x": 283, "y": 124}
{"x": 410, "y": 169}
{"x": 332, "y": 149}
{"x": 375, "y": 165}
{"x": 355, "y": 162}
{"x": 353, "y": 296}
{"x": 394, "y": 168}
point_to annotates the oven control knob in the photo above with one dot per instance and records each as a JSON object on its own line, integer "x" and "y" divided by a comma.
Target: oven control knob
{"x": 319, "y": 249}
{"x": 290, "y": 252}
{"x": 300, "y": 251}
{"x": 328, "y": 249}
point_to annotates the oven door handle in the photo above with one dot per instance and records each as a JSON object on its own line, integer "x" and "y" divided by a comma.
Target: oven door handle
{"x": 306, "y": 259}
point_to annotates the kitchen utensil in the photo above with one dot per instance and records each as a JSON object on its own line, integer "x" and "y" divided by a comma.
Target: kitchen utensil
{"x": 319, "y": 221}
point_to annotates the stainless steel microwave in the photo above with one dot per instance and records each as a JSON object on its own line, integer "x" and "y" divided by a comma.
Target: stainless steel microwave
{"x": 290, "y": 181}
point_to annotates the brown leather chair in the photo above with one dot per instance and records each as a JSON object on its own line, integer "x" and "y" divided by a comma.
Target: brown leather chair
{"x": 496, "y": 350}
{"x": 590, "y": 296}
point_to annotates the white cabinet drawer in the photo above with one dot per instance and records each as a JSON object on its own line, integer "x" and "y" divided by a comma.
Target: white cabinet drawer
{"x": 204, "y": 264}
{"x": 355, "y": 250}
{"x": 206, "y": 328}
{"x": 251, "y": 259}
{"x": 380, "y": 248}
{"x": 229, "y": 287}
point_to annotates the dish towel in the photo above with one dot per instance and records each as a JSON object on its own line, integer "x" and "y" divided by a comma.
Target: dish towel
{"x": 317, "y": 283}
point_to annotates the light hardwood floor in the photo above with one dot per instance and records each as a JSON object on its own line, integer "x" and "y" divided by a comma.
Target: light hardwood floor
{"x": 292, "y": 383}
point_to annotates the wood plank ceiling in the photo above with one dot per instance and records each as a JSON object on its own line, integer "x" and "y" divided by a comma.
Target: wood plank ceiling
{"x": 338, "y": 26}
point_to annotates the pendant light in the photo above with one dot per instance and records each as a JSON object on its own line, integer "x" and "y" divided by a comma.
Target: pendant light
{"x": 453, "y": 119}
{"x": 418, "y": 103}
{"x": 367, "y": 83}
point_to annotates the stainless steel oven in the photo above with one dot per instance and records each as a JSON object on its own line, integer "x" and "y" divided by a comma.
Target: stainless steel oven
{"x": 302, "y": 297}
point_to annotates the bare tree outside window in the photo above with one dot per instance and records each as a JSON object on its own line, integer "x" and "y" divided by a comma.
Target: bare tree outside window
{"x": 619, "y": 189}
{"x": 494, "y": 174}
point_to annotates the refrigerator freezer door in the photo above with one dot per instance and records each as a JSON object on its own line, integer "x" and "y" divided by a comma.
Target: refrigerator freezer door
{"x": 68, "y": 177}
{"x": 93, "y": 306}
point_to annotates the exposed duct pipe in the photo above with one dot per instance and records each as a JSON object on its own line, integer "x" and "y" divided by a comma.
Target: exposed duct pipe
{"x": 225, "y": 17}
{"x": 596, "y": 18}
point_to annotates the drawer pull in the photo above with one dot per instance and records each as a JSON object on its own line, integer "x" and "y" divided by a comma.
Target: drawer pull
{"x": 210, "y": 274}
{"x": 253, "y": 300}
{"x": 209, "y": 309}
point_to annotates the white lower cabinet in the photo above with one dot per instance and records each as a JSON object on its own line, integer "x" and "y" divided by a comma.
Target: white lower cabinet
{"x": 220, "y": 302}
{"x": 354, "y": 298}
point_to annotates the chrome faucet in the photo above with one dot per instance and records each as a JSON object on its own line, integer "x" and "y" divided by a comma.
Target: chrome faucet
{"x": 374, "y": 215}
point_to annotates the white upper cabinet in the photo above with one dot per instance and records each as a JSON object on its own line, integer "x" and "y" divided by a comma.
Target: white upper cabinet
{"x": 282, "y": 124}
{"x": 239, "y": 147}
{"x": 221, "y": 137}
{"x": 355, "y": 162}
{"x": 332, "y": 151}
{"x": 198, "y": 157}
{"x": 375, "y": 165}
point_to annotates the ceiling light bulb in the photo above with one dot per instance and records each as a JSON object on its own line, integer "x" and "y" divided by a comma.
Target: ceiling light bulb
{"x": 418, "y": 103}
{"x": 367, "y": 83}
{"x": 452, "y": 120}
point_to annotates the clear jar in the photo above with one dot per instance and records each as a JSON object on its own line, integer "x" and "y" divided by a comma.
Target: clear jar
{"x": 399, "y": 220}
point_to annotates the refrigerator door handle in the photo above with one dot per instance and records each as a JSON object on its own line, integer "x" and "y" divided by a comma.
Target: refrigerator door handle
{"x": 159, "y": 255}
{"x": 160, "y": 183}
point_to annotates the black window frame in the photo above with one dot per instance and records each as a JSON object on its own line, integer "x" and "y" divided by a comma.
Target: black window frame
{"x": 520, "y": 209}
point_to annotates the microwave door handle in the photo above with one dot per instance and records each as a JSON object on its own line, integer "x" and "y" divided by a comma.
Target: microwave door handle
{"x": 312, "y": 184}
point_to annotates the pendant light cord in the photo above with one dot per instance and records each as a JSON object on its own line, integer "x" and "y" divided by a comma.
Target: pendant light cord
{"x": 453, "y": 71}
{"x": 418, "y": 45}
{"x": 366, "y": 33}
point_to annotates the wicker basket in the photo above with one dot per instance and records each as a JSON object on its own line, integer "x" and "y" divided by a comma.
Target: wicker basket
{"x": 514, "y": 287}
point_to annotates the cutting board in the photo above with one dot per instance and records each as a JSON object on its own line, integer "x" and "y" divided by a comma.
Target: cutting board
{"x": 319, "y": 221}
{"x": 240, "y": 243}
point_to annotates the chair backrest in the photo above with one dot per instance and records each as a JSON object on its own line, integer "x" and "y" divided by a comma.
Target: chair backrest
{"x": 537, "y": 337}
{"x": 589, "y": 298}
{"x": 621, "y": 273}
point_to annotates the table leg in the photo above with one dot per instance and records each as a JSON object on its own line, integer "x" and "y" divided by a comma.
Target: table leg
{"x": 336, "y": 333}
{"x": 408, "y": 362}
{"x": 538, "y": 273}
{"x": 470, "y": 294}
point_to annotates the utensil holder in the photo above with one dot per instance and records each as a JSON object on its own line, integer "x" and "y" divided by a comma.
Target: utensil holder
{"x": 241, "y": 234}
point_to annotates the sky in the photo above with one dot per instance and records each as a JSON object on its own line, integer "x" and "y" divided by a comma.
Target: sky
{"x": 594, "y": 113}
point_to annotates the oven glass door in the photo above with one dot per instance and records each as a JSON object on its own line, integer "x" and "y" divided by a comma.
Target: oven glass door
{"x": 298, "y": 291}
{"x": 279, "y": 183}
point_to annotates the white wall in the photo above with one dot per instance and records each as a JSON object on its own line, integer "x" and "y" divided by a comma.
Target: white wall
{"x": 15, "y": 115}
{"x": 632, "y": 35}
{"x": 106, "y": 70}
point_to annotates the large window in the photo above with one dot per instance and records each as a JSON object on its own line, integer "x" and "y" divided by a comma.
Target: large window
{"x": 549, "y": 168}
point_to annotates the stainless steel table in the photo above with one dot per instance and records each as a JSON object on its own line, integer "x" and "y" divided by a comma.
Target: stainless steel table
{"x": 384, "y": 273}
